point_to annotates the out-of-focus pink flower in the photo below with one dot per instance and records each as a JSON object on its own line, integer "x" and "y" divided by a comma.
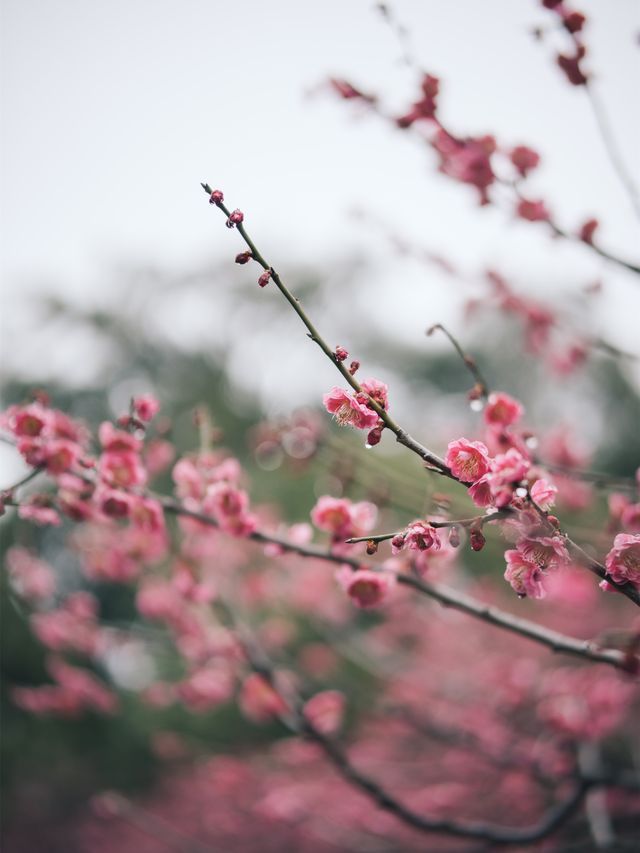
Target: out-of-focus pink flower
{"x": 158, "y": 455}
{"x": 543, "y": 494}
{"x": 585, "y": 703}
{"x": 113, "y": 502}
{"x": 524, "y": 159}
{"x": 524, "y": 575}
{"x": 631, "y": 518}
{"x": 147, "y": 514}
{"x": 117, "y": 440}
{"x": 507, "y": 470}
{"x": 365, "y": 587}
{"x": 160, "y": 600}
{"x": 502, "y": 410}
{"x": 229, "y": 506}
{"x": 468, "y": 160}
{"x": 623, "y": 560}
{"x": 206, "y": 688}
{"x": 146, "y": 407}
{"x": 39, "y": 510}
{"x": 76, "y": 691}
{"x": 532, "y": 211}
{"x": 59, "y": 455}
{"x": 27, "y": 421}
{"x": 122, "y": 469}
{"x": 259, "y": 701}
{"x": 72, "y": 627}
{"x": 468, "y": 460}
{"x": 342, "y": 518}
{"x": 31, "y": 577}
{"x": 325, "y": 711}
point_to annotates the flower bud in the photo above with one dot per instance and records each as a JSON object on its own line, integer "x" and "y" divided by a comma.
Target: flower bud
{"x": 235, "y": 218}
{"x": 476, "y": 539}
{"x": 264, "y": 279}
{"x": 374, "y": 436}
{"x": 243, "y": 257}
{"x": 340, "y": 353}
{"x": 216, "y": 197}
{"x": 454, "y": 537}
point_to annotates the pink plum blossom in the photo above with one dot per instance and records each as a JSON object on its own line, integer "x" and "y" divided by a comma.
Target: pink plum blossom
{"x": 343, "y": 518}
{"x": 524, "y": 575}
{"x": 377, "y": 390}
{"x": 122, "y": 469}
{"x": 548, "y": 552}
{"x": 623, "y": 560}
{"x": 418, "y": 536}
{"x": 502, "y": 410}
{"x": 364, "y": 587}
{"x": 350, "y": 410}
{"x": 468, "y": 460}
{"x": 543, "y": 494}
{"x": 146, "y": 407}
{"x": 258, "y": 700}
{"x": 325, "y": 711}
{"x": 31, "y": 577}
{"x": 117, "y": 440}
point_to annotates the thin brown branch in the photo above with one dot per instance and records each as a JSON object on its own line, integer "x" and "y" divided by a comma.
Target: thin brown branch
{"x": 481, "y": 389}
{"x": 402, "y": 436}
{"x": 296, "y": 720}
{"x": 432, "y": 461}
{"x": 557, "y": 642}
{"x": 9, "y": 490}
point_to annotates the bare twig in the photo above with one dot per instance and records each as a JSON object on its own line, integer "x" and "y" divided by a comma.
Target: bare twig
{"x": 481, "y": 389}
{"x": 402, "y": 436}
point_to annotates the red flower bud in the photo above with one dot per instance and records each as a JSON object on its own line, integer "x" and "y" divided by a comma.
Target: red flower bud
{"x": 340, "y": 353}
{"x": 353, "y": 367}
{"x": 216, "y": 197}
{"x": 243, "y": 257}
{"x": 374, "y": 436}
{"x": 397, "y": 543}
{"x": 264, "y": 279}
{"x": 587, "y": 230}
{"x": 235, "y": 218}
{"x": 574, "y": 22}
{"x": 454, "y": 537}
{"x": 372, "y": 547}
{"x": 476, "y": 539}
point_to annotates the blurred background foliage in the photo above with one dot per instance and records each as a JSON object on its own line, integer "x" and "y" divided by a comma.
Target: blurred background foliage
{"x": 211, "y": 339}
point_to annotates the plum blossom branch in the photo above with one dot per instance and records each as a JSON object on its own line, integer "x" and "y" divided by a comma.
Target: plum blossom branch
{"x": 557, "y": 642}
{"x": 462, "y": 456}
{"x": 468, "y": 159}
{"x": 476, "y": 521}
{"x": 572, "y": 23}
{"x": 296, "y": 720}
{"x": 595, "y": 566}
{"x": 402, "y": 436}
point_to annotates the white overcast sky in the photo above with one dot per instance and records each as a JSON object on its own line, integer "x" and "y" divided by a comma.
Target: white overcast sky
{"x": 113, "y": 112}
